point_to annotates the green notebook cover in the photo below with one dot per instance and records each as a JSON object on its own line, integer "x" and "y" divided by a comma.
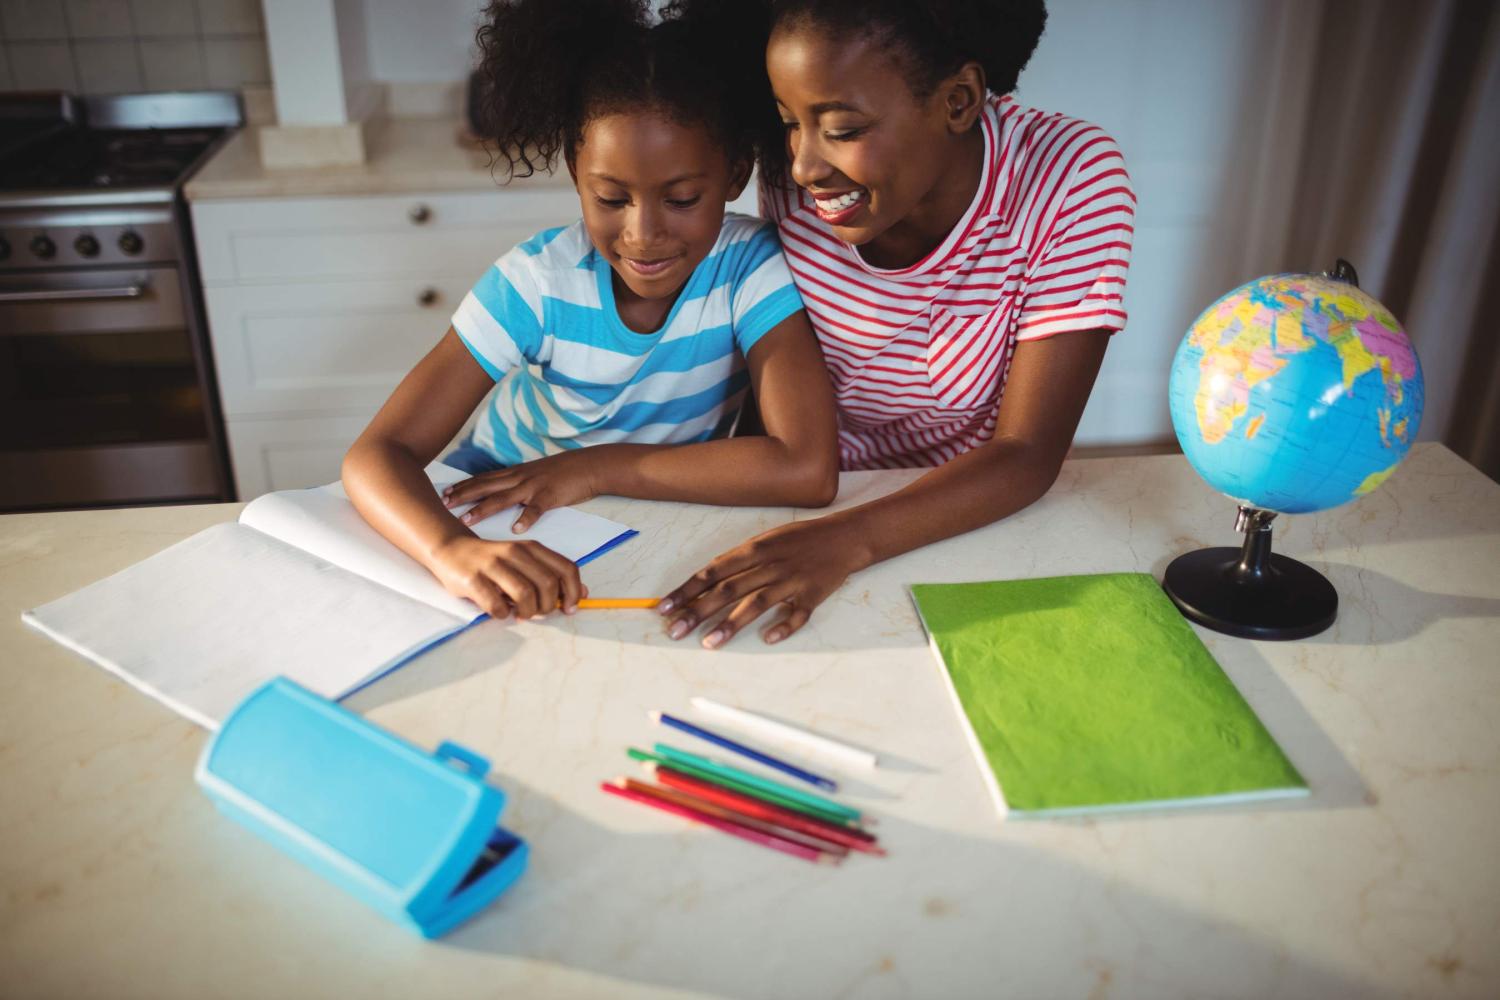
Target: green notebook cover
{"x": 1092, "y": 693}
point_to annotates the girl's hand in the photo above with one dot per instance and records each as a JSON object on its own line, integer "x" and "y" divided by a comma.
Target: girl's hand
{"x": 554, "y": 481}
{"x": 798, "y": 565}
{"x": 526, "y": 577}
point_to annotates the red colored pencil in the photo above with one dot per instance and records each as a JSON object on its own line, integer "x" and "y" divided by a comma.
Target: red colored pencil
{"x": 724, "y": 826}
{"x": 729, "y": 815}
{"x": 848, "y": 837}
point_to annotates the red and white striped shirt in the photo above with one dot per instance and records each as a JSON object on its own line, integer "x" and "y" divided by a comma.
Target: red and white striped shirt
{"x": 919, "y": 355}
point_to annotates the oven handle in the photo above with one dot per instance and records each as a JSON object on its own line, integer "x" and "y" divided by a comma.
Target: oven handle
{"x": 134, "y": 291}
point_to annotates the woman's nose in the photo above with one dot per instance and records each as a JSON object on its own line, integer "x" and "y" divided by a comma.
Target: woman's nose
{"x": 808, "y": 166}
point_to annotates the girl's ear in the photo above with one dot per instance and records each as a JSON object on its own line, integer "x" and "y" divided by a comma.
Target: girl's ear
{"x": 962, "y": 96}
{"x": 739, "y": 176}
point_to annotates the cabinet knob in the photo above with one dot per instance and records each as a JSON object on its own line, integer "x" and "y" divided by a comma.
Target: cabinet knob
{"x": 428, "y": 297}
{"x": 419, "y": 213}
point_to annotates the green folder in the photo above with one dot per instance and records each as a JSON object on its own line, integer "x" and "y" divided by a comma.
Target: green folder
{"x": 1086, "y": 694}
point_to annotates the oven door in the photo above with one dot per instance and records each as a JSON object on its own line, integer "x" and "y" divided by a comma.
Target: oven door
{"x": 100, "y": 399}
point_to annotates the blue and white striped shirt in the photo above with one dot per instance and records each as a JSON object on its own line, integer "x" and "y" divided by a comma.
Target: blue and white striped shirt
{"x": 543, "y": 322}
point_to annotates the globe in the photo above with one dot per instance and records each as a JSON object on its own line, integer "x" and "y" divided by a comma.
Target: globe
{"x": 1293, "y": 393}
{"x": 1296, "y": 393}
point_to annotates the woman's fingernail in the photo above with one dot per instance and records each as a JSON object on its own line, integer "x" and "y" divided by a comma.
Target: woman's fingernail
{"x": 713, "y": 639}
{"x": 467, "y": 519}
{"x": 775, "y": 635}
{"x": 678, "y": 630}
{"x": 516, "y": 528}
{"x": 664, "y": 605}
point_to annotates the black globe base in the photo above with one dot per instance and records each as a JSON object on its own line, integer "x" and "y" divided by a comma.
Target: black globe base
{"x": 1251, "y": 592}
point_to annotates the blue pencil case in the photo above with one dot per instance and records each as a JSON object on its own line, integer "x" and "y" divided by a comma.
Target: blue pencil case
{"x": 413, "y": 834}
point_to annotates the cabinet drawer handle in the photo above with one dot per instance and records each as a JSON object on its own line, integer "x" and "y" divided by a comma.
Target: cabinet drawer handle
{"x": 428, "y": 297}
{"x": 419, "y": 213}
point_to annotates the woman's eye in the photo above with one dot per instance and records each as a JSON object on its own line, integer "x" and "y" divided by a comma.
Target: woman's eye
{"x": 789, "y": 126}
{"x": 612, "y": 202}
{"x": 845, "y": 134}
{"x": 684, "y": 202}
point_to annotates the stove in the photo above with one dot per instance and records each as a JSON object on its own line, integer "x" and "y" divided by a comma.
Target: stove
{"x": 107, "y": 394}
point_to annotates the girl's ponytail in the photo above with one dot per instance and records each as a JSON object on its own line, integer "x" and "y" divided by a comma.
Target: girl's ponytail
{"x": 536, "y": 60}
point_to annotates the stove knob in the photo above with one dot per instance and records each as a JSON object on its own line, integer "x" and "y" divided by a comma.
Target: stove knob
{"x": 44, "y": 248}
{"x": 86, "y": 245}
{"x": 4, "y": 248}
{"x": 131, "y": 242}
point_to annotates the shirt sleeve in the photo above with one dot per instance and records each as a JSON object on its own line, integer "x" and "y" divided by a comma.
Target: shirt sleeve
{"x": 1076, "y": 274}
{"x": 500, "y": 319}
{"x": 764, "y": 293}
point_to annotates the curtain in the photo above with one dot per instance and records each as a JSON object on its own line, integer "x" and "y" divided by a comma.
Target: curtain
{"x": 1381, "y": 144}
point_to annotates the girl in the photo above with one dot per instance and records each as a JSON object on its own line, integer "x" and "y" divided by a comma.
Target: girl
{"x": 616, "y": 347}
{"x": 963, "y": 261}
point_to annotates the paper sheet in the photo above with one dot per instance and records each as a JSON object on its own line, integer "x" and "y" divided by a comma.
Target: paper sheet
{"x": 189, "y": 625}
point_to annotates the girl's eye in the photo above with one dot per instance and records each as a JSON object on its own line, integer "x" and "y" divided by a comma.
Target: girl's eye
{"x": 683, "y": 202}
{"x": 612, "y": 202}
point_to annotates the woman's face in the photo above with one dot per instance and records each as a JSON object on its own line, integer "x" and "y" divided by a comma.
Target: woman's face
{"x": 869, "y": 152}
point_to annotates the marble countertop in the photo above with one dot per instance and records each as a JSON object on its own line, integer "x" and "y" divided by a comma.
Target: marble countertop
{"x": 405, "y": 155}
{"x": 117, "y": 877}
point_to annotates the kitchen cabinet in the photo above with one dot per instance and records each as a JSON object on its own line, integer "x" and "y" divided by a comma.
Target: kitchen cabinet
{"x": 317, "y": 307}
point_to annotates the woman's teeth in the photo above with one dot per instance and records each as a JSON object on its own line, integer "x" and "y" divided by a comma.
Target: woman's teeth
{"x": 843, "y": 201}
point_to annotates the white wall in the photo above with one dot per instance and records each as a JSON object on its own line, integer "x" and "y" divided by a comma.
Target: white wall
{"x": 1184, "y": 86}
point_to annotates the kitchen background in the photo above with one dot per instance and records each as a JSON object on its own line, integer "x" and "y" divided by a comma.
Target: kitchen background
{"x": 1261, "y": 135}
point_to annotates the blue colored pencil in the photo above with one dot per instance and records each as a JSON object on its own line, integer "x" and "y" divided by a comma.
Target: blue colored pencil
{"x": 728, "y": 744}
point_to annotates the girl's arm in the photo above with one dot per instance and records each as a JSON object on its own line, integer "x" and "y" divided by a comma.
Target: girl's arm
{"x": 383, "y": 475}
{"x": 794, "y": 464}
{"x": 802, "y": 563}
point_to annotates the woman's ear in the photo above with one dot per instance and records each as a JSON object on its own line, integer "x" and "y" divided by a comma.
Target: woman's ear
{"x": 962, "y": 95}
{"x": 739, "y": 176}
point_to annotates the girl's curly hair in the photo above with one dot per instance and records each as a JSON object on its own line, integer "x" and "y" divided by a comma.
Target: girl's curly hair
{"x": 549, "y": 67}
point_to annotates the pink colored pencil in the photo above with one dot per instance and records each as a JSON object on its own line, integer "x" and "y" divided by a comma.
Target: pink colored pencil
{"x": 724, "y": 826}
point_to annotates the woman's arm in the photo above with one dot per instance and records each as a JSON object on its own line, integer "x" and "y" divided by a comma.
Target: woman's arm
{"x": 794, "y": 464}
{"x": 802, "y": 563}
{"x": 383, "y": 475}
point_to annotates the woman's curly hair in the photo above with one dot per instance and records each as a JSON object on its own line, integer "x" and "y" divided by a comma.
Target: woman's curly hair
{"x": 549, "y": 67}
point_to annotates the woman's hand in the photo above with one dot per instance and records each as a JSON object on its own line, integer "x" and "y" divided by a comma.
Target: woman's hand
{"x": 798, "y": 565}
{"x": 526, "y": 577}
{"x": 539, "y": 486}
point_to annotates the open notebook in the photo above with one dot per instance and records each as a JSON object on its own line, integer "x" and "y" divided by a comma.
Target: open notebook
{"x": 299, "y": 586}
{"x": 1088, "y": 694}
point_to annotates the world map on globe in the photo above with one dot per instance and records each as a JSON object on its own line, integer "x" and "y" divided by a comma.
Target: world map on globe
{"x": 1295, "y": 393}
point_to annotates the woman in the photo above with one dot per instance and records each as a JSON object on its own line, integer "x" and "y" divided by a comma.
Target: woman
{"x": 963, "y": 261}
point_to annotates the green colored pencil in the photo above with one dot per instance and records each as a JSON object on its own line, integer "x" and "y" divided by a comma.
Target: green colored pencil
{"x": 756, "y": 781}
{"x": 716, "y": 777}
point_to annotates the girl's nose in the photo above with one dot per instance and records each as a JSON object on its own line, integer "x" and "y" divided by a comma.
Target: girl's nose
{"x": 646, "y": 226}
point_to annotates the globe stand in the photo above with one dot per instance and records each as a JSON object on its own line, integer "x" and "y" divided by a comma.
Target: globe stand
{"x": 1251, "y": 592}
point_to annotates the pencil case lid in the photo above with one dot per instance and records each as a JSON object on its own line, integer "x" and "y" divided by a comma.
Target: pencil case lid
{"x": 411, "y": 833}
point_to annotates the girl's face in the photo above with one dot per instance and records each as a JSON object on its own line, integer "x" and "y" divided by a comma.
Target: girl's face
{"x": 872, "y": 155}
{"x": 653, "y": 194}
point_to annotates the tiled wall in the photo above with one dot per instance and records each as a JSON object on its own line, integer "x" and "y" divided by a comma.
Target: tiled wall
{"x": 124, "y": 46}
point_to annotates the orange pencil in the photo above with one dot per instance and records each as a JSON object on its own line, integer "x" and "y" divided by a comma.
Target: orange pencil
{"x": 601, "y": 603}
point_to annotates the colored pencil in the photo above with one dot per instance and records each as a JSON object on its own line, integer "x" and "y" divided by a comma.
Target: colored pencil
{"x": 759, "y": 793}
{"x": 854, "y": 839}
{"x": 605, "y": 603}
{"x": 733, "y": 829}
{"x": 817, "y": 780}
{"x": 689, "y": 801}
{"x": 774, "y": 729}
{"x": 755, "y": 780}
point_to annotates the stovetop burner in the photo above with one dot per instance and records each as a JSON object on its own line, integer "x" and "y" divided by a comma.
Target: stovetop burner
{"x": 91, "y": 159}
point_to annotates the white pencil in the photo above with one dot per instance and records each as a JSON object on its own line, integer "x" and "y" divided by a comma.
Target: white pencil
{"x": 809, "y": 741}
